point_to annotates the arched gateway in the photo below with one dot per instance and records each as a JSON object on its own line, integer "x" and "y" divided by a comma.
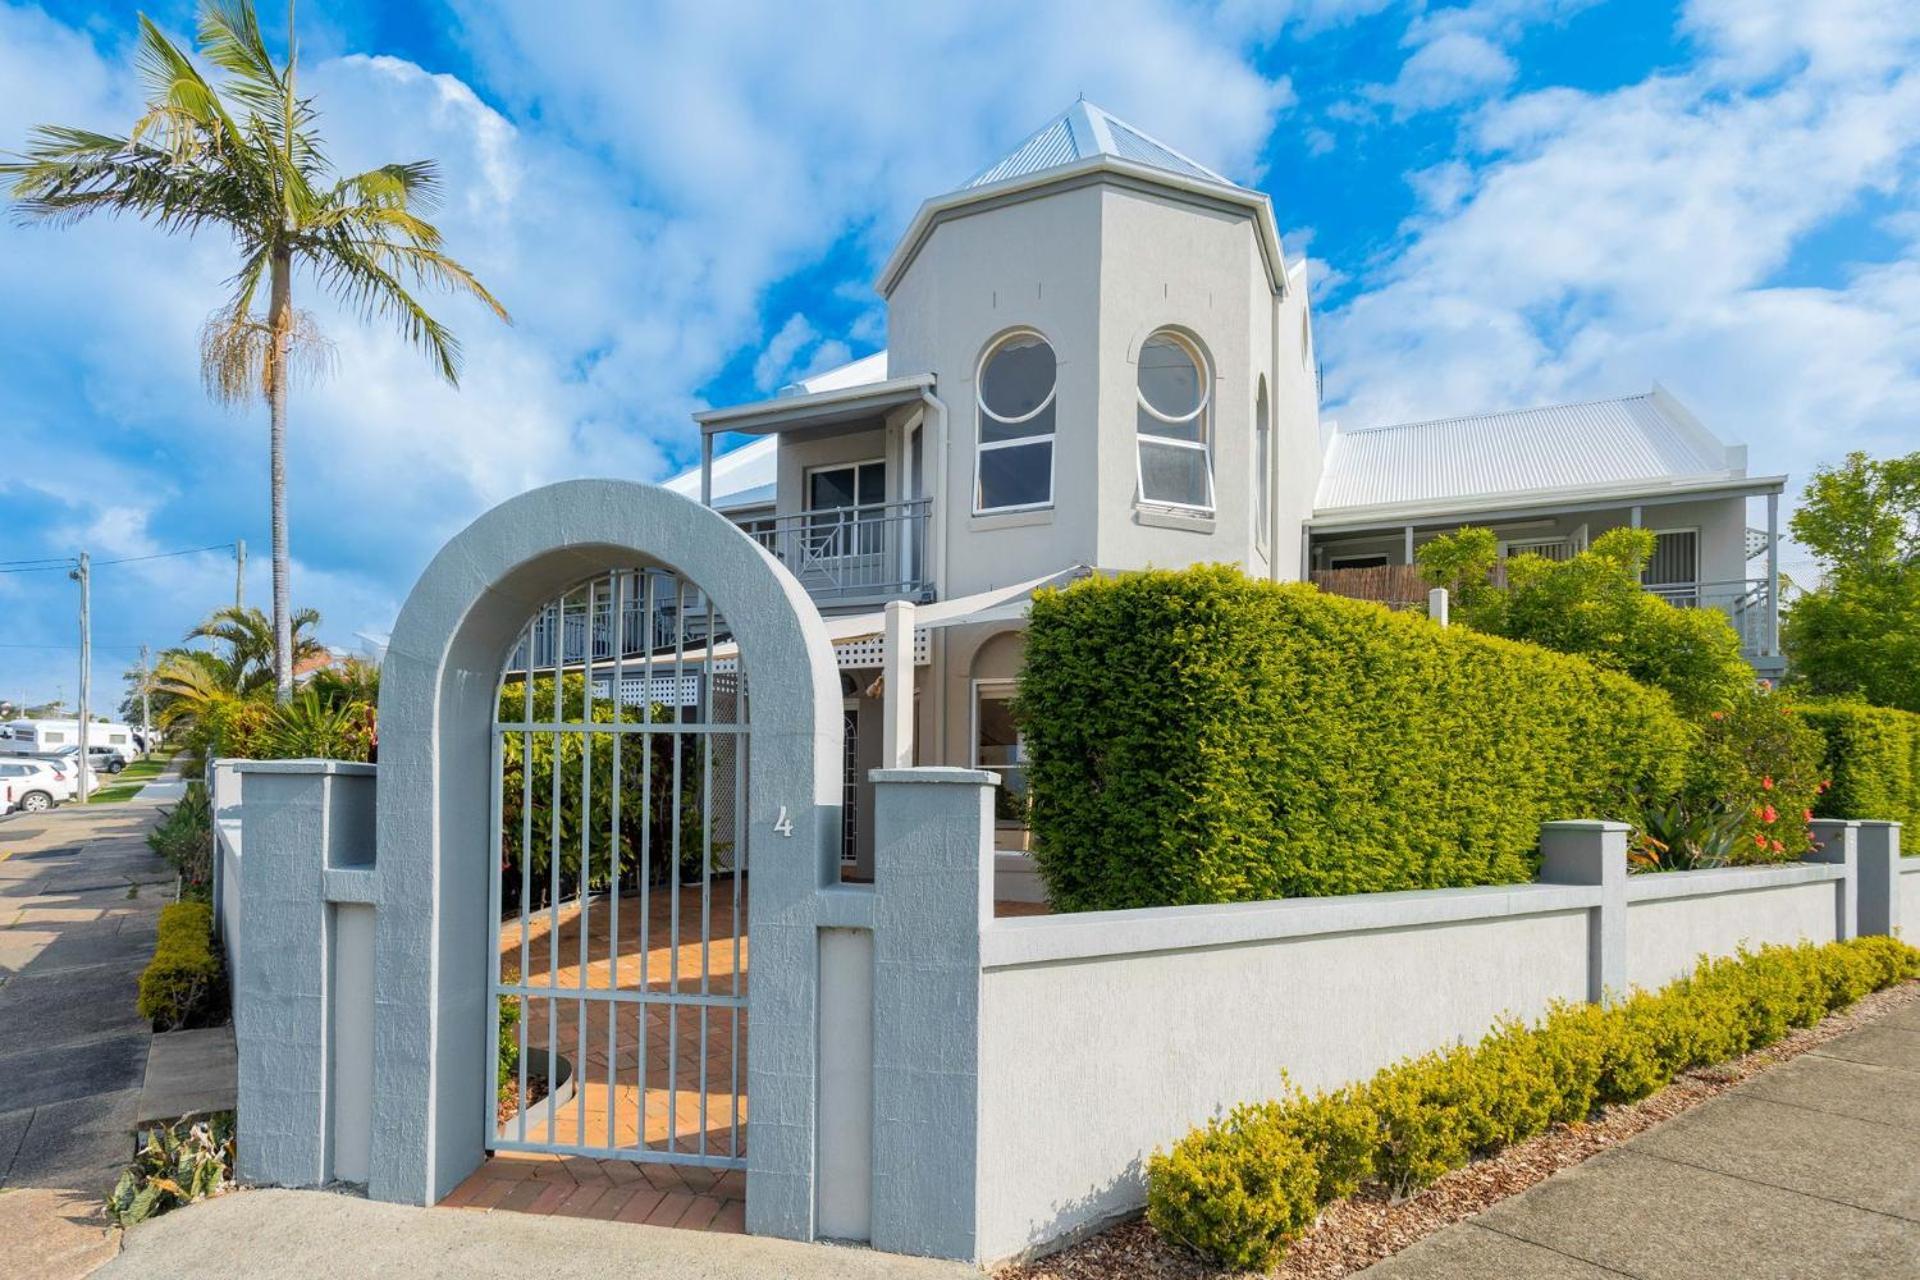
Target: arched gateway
{"x": 609, "y": 592}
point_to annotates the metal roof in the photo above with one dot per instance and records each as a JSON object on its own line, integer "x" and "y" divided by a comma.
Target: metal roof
{"x": 1082, "y": 132}
{"x": 1601, "y": 446}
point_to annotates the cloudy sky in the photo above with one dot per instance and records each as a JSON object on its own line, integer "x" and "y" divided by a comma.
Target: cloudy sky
{"x": 1505, "y": 202}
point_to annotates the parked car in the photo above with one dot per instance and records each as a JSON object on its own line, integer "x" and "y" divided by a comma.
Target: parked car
{"x": 37, "y": 785}
{"x": 6, "y": 798}
{"x": 103, "y": 759}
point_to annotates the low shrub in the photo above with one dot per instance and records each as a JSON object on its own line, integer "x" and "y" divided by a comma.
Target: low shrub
{"x": 1871, "y": 759}
{"x": 1761, "y": 760}
{"x": 1198, "y": 736}
{"x": 1233, "y": 1189}
{"x": 177, "y": 1165}
{"x": 184, "y": 837}
{"x": 183, "y": 985}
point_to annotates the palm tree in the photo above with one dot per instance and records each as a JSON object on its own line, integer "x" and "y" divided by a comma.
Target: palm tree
{"x": 256, "y": 169}
{"x": 251, "y": 645}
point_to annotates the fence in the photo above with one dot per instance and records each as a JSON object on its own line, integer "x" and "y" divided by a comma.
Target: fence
{"x": 1398, "y": 586}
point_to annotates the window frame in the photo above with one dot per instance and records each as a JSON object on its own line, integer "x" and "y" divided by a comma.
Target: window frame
{"x": 1202, "y": 414}
{"x": 1007, "y": 689}
{"x": 981, "y": 411}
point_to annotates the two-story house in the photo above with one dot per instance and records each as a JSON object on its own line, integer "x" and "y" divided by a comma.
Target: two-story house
{"x": 1099, "y": 358}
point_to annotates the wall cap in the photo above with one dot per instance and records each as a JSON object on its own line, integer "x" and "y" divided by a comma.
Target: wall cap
{"x": 1585, "y": 824}
{"x": 337, "y": 768}
{"x": 935, "y": 773}
{"x": 1710, "y": 881}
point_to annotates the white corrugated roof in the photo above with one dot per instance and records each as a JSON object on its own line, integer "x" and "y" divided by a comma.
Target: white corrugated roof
{"x": 1599, "y": 446}
{"x": 744, "y": 476}
{"x": 1082, "y": 132}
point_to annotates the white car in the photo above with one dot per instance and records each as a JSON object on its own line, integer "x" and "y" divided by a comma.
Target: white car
{"x": 37, "y": 785}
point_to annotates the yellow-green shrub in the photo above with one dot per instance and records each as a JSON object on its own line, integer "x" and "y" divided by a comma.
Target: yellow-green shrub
{"x": 1198, "y": 736}
{"x": 1872, "y": 761}
{"x": 1240, "y": 1188}
{"x": 182, "y": 985}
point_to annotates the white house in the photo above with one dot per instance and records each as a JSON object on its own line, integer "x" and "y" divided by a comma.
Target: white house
{"x": 1099, "y": 357}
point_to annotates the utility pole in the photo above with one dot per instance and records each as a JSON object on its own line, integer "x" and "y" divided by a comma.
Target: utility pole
{"x": 84, "y": 576}
{"x": 240, "y": 574}
{"x": 146, "y": 705}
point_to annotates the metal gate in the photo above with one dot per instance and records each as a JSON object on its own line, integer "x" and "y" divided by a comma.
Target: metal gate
{"x": 619, "y": 946}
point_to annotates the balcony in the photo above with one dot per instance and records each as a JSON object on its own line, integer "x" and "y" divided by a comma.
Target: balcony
{"x": 844, "y": 555}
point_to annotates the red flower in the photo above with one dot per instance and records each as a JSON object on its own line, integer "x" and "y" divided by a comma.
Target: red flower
{"x": 1766, "y": 783}
{"x": 1768, "y": 814}
{"x": 1778, "y": 847}
{"x": 1806, "y": 815}
{"x": 1760, "y": 841}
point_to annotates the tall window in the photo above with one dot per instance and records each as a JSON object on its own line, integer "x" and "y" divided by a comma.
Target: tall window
{"x": 1014, "y": 463}
{"x": 1263, "y": 468}
{"x": 1175, "y": 461}
{"x": 998, "y": 746}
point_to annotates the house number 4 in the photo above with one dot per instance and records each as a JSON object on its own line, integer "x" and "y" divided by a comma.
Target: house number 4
{"x": 783, "y": 824}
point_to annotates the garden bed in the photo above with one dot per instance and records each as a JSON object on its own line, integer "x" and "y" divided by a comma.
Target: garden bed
{"x": 1355, "y": 1233}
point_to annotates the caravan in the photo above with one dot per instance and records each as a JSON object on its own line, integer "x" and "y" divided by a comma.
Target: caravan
{"x": 52, "y": 737}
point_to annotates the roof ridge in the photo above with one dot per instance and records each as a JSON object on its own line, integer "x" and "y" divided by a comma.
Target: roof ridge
{"x": 1495, "y": 413}
{"x": 1091, "y": 132}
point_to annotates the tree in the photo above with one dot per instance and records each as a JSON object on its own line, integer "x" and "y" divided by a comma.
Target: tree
{"x": 1858, "y": 632}
{"x": 251, "y": 644}
{"x": 1593, "y": 605}
{"x": 245, "y": 157}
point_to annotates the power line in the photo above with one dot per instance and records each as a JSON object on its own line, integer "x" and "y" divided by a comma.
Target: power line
{"x": 162, "y": 555}
{"x": 53, "y": 566}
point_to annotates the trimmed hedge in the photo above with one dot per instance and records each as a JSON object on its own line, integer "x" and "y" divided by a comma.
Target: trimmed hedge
{"x": 183, "y": 985}
{"x": 1197, "y": 736}
{"x": 1872, "y": 761}
{"x": 1240, "y": 1189}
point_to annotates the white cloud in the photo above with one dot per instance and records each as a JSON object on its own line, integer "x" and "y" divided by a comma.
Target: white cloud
{"x": 1587, "y": 244}
{"x": 1454, "y": 67}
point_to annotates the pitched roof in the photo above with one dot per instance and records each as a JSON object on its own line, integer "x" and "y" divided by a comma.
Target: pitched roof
{"x": 1082, "y": 132}
{"x": 1602, "y": 446}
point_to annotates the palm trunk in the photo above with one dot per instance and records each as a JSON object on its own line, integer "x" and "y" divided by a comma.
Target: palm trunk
{"x": 280, "y": 325}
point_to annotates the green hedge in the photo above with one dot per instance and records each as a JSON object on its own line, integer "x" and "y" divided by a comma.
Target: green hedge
{"x": 1244, "y": 1186}
{"x": 1872, "y": 761}
{"x": 1197, "y": 736}
{"x": 183, "y": 985}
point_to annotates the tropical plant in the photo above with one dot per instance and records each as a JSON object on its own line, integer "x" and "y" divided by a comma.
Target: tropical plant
{"x": 176, "y": 1165}
{"x": 1680, "y": 836}
{"x": 244, "y": 156}
{"x": 1858, "y": 633}
{"x": 184, "y": 837}
{"x": 311, "y": 726}
{"x": 248, "y": 636}
{"x": 344, "y": 683}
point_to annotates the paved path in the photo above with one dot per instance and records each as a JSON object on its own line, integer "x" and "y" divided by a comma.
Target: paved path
{"x": 1809, "y": 1169}
{"x": 79, "y": 891}
{"x": 313, "y": 1235}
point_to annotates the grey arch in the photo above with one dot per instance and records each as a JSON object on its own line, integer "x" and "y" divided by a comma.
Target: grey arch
{"x": 431, "y": 1069}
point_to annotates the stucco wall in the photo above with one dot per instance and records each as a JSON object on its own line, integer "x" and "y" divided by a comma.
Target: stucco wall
{"x": 1910, "y": 898}
{"x": 1088, "y": 1062}
{"x": 1722, "y": 910}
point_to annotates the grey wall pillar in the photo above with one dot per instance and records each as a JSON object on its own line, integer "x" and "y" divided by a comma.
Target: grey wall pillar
{"x": 1878, "y": 901}
{"x": 1839, "y": 843}
{"x": 300, "y": 821}
{"x": 1595, "y": 853}
{"x": 933, "y": 891}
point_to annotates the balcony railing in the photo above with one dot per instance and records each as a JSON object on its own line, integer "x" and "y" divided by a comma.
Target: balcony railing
{"x": 848, "y": 553}
{"x": 1747, "y": 602}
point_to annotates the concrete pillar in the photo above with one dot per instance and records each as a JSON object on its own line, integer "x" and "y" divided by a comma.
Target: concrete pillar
{"x": 1878, "y": 899}
{"x": 1595, "y": 853}
{"x": 933, "y": 892}
{"x": 706, "y": 468}
{"x": 896, "y": 750}
{"x": 1839, "y": 844}
{"x": 1437, "y": 605}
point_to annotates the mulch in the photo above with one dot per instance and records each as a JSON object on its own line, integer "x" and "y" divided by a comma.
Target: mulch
{"x": 1354, "y": 1234}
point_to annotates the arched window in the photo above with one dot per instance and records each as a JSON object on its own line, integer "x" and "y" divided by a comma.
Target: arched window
{"x": 1013, "y": 465}
{"x": 1262, "y": 467}
{"x": 1175, "y": 457}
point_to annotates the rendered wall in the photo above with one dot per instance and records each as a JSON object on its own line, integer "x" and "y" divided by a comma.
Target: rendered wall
{"x": 1088, "y": 1062}
{"x": 1667, "y": 935}
{"x": 1910, "y": 898}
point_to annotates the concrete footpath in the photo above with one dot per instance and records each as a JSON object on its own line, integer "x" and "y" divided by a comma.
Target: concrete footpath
{"x": 1809, "y": 1169}
{"x": 79, "y": 893}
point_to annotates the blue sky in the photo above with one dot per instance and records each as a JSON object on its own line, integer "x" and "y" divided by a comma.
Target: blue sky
{"x": 1504, "y": 202}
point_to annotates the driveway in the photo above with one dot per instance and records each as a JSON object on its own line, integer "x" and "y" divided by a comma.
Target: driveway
{"x": 79, "y": 892}
{"x": 1811, "y": 1168}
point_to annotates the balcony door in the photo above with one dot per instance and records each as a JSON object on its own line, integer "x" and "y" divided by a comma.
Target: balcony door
{"x": 845, "y": 525}
{"x": 1673, "y": 573}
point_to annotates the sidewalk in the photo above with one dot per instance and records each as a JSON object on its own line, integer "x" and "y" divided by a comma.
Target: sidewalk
{"x": 79, "y": 892}
{"x": 1811, "y": 1168}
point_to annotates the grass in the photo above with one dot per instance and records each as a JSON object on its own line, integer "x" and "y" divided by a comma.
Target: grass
{"x": 128, "y": 782}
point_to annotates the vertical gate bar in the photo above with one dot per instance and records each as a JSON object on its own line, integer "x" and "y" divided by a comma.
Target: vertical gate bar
{"x": 706, "y": 854}
{"x": 740, "y": 747}
{"x": 553, "y": 874}
{"x": 497, "y": 845}
{"x": 526, "y": 870}
{"x": 649, "y": 596}
{"x": 617, "y": 587}
{"x": 673, "y": 903}
{"x": 584, "y": 883}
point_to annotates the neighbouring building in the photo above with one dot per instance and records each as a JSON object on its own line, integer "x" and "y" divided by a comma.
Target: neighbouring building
{"x": 1100, "y": 358}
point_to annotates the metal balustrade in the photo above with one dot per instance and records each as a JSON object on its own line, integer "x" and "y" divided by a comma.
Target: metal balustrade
{"x": 843, "y": 553}
{"x": 1747, "y": 602}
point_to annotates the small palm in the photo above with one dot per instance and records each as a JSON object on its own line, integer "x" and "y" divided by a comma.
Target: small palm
{"x": 245, "y": 157}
